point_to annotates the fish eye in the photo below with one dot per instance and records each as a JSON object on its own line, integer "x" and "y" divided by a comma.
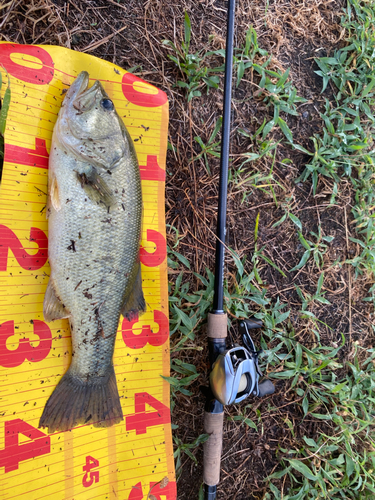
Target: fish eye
{"x": 107, "y": 104}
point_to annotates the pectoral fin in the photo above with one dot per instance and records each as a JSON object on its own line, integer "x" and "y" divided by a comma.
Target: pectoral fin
{"x": 53, "y": 308}
{"x": 53, "y": 196}
{"x": 135, "y": 301}
{"x": 95, "y": 187}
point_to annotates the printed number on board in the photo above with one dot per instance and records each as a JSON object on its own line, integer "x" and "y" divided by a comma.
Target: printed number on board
{"x": 142, "y": 418}
{"x": 16, "y": 59}
{"x": 138, "y": 92}
{"x": 147, "y": 335}
{"x": 169, "y": 492}
{"x": 152, "y": 171}
{"x": 32, "y": 157}
{"x": 160, "y": 250}
{"x": 39, "y": 444}
{"x": 8, "y": 240}
{"x": 25, "y": 351}
{"x": 90, "y": 477}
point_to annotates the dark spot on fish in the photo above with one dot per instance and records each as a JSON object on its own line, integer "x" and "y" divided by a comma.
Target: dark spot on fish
{"x": 79, "y": 236}
{"x": 77, "y": 285}
{"x": 107, "y": 220}
{"x": 72, "y": 246}
{"x": 123, "y": 206}
{"x": 109, "y": 172}
{"x": 83, "y": 179}
{"x": 87, "y": 295}
{"x": 67, "y": 200}
{"x": 88, "y": 418}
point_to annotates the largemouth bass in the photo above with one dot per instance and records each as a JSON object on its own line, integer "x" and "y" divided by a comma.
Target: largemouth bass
{"x": 94, "y": 209}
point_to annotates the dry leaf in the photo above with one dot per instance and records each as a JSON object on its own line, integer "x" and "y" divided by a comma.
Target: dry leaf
{"x": 164, "y": 482}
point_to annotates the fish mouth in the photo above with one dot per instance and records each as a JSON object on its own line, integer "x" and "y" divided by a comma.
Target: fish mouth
{"x": 79, "y": 95}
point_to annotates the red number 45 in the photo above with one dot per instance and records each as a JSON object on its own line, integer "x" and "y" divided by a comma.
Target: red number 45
{"x": 90, "y": 477}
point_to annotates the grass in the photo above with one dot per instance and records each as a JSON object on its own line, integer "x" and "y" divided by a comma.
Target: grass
{"x": 346, "y": 147}
{"x": 4, "y": 107}
{"x": 335, "y": 393}
{"x": 191, "y": 65}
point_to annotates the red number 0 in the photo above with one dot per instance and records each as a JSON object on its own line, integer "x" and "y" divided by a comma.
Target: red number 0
{"x": 40, "y": 76}
{"x": 31, "y": 262}
{"x": 25, "y": 351}
{"x": 142, "y": 419}
{"x": 157, "y": 339}
{"x": 39, "y": 444}
{"x": 141, "y": 98}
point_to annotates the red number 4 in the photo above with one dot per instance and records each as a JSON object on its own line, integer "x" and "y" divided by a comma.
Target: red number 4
{"x": 142, "y": 419}
{"x": 90, "y": 477}
{"x": 39, "y": 444}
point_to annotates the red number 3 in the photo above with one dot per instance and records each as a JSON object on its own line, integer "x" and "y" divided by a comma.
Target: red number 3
{"x": 138, "y": 341}
{"x": 25, "y": 351}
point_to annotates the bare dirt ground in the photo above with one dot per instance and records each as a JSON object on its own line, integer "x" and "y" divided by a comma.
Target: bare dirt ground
{"x": 130, "y": 34}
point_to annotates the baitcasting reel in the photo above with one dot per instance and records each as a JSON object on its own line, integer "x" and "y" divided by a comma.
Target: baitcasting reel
{"x": 235, "y": 373}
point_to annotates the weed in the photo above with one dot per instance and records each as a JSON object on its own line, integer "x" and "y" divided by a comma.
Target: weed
{"x": 184, "y": 448}
{"x": 189, "y": 373}
{"x": 346, "y": 148}
{"x": 4, "y": 108}
{"x": 274, "y": 87}
{"x": 286, "y": 206}
{"x": 307, "y": 298}
{"x": 317, "y": 250}
{"x": 211, "y": 148}
{"x": 192, "y": 65}
{"x": 258, "y": 253}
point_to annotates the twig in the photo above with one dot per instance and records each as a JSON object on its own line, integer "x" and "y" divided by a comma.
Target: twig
{"x": 104, "y": 40}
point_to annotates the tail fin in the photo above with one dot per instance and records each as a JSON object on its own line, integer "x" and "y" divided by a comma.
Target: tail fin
{"x": 75, "y": 402}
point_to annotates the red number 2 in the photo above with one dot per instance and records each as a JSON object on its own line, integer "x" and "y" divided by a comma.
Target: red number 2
{"x": 39, "y": 444}
{"x": 8, "y": 239}
{"x": 90, "y": 477}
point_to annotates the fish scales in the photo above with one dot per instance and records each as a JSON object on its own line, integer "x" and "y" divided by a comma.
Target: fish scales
{"x": 95, "y": 211}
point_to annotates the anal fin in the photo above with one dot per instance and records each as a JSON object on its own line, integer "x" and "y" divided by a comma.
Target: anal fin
{"x": 135, "y": 301}
{"x": 53, "y": 308}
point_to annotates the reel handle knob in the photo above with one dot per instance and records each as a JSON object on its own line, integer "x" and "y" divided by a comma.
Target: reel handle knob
{"x": 251, "y": 323}
{"x": 266, "y": 387}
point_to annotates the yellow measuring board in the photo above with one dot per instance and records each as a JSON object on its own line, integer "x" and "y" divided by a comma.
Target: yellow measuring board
{"x": 134, "y": 458}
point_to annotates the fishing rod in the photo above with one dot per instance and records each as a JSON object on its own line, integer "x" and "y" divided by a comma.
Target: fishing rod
{"x": 235, "y": 373}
